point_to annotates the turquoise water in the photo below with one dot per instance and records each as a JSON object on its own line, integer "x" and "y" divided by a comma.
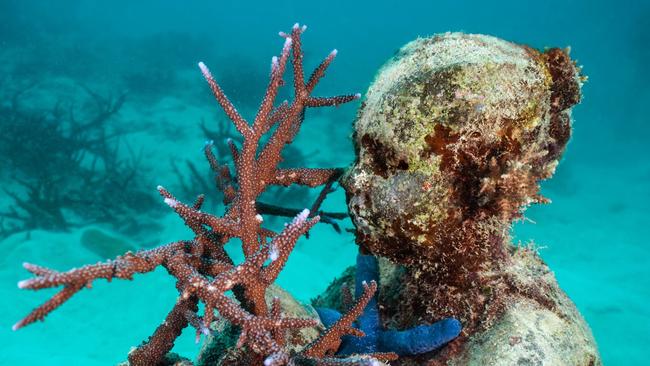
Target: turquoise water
{"x": 594, "y": 235}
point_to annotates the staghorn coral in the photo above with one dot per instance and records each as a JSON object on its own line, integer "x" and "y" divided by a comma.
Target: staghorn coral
{"x": 203, "y": 270}
{"x": 408, "y": 342}
{"x": 453, "y": 138}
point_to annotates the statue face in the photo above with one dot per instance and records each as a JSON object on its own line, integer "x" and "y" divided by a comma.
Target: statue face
{"x": 454, "y": 134}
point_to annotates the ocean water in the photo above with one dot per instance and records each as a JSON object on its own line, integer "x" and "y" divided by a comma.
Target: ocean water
{"x": 69, "y": 63}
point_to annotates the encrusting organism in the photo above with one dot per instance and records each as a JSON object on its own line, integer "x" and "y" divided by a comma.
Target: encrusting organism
{"x": 409, "y": 342}
{"x": 203, "y": 271}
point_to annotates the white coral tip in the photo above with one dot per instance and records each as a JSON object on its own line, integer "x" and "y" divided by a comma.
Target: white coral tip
{"x": 303, "y": 215}
{"x": 204, "y": 69}
{"x": 23, "y": 284}
{"x": 259, "y": 218}
{"x": 171, "y": 202}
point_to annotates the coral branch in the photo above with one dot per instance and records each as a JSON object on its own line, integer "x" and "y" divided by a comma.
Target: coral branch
{"x": 162, "y": 341}
{"x": 319, "y": 72}
{"x": 123, "y": 267}
{"x": 225, "y": 103}
{"x": 329, "y": 342}
{"x": 331, "y": 101}
{"x": 305, "y": 176}
{"x": 203, "y": 270}
{"x": 40, "y": 312}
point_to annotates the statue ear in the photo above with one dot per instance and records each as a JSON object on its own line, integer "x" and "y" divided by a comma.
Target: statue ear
{"x": 565, "y": 91}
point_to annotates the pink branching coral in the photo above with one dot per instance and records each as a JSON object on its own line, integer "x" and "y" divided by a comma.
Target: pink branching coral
{"x": 203, "y": 270}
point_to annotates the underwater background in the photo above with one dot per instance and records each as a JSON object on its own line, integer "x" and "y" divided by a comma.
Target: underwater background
{"x": 102, "y": 101}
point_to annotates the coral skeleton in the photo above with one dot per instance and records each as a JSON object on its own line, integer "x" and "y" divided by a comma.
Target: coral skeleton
{"x": 203, "y": 270}
{"x": 409, "y": 342}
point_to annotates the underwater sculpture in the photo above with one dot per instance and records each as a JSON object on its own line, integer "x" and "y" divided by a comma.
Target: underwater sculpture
{"x": 452, "y": 139}
{"x": 204, "y": 271}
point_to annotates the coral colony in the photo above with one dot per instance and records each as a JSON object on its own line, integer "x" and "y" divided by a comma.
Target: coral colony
{"x": 205, "y": 273}
{"x": 414, "y": 341}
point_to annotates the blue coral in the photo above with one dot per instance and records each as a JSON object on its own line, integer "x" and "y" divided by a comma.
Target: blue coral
{"x": 409, "y": 342}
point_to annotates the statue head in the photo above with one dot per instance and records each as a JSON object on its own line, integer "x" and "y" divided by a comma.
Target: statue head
{"x": 452, "y": 139}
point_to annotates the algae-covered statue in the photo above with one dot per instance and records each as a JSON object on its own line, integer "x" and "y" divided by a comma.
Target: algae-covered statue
{"x": 453, "y": 137}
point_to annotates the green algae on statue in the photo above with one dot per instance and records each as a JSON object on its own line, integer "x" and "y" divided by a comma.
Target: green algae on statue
{"x": 453, "y": 137}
